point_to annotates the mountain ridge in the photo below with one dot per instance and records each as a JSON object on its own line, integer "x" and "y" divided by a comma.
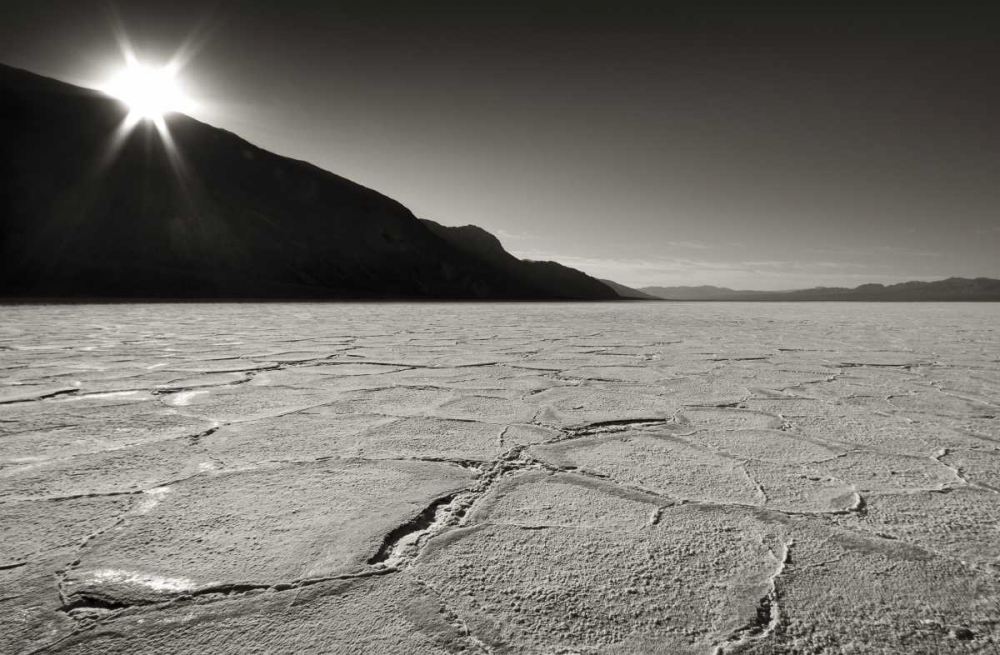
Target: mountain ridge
{"x": 950, "y": 289}
{"x": 551, "y": 277}
{"x": 93, "y": 213}
{"x": 629, "y": 292}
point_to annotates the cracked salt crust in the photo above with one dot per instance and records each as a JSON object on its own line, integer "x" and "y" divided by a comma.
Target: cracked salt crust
{"x": 634, "y": 477}
{"x": 185, "y": 397}
{"x": 154, "y": 582}
{"x": 151, "y": 498}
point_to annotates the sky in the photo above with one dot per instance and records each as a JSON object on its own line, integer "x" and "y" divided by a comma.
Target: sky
{"x": 761, "y": 146}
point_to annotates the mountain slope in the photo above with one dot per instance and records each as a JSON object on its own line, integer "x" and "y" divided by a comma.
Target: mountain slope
{"x": 550, "y": 277}
{"x": 90, "y": 212}
{"x": 694, "y": 293}
{"x": 952, "y": 289}
{"x": 629, "y": 292}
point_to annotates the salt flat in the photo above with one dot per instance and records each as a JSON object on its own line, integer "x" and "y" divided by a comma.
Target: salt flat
{"x": 439, "y": 478}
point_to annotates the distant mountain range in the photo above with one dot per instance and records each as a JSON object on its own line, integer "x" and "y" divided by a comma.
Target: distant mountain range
{"x": 629, "y": 292}
{"x": 956, "y": 288}
{"x": 89, "y": 212}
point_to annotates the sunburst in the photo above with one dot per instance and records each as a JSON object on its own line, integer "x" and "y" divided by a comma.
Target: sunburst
{"x": 149, "y": 92}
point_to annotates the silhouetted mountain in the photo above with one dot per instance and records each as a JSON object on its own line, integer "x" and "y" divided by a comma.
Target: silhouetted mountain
{"x": 695, "y": 293}
{"x": 955, "y": 288}
{"x": 551, "y": 277}
{"x": 629, "y": 292}
{"x": 90, "y": 211}
{"x": 473, "y": 240}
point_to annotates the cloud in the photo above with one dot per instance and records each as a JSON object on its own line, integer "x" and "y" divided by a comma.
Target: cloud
{"x": 691, "y": 245}
{"x": 506, "y": 235}
{"x": 874, "y": 251}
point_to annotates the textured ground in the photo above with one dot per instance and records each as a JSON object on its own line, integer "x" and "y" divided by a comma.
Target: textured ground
{"x": 615, "y": 478}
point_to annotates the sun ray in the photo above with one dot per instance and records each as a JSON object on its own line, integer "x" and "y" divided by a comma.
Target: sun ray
{"x": 152, "y": 93}
{"x": 148, "y": 91}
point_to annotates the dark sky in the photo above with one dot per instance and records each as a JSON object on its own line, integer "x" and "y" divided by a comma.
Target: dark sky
{"x": 761, "y": 147}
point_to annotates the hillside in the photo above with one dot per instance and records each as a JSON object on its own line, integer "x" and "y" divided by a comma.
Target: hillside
{"x": 550, "y": 277}
{"x": 89, "y": 211}
{"x": 629, "y": 292}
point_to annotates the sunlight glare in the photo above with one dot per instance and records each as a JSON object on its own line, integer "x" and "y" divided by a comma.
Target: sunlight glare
{"x": 149, "y": 92}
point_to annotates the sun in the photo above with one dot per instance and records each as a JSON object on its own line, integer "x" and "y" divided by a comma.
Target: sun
{"x": 149, "y": 92}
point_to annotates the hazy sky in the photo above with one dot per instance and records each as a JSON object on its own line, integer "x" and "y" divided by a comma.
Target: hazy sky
{"x": 758, "y": 148}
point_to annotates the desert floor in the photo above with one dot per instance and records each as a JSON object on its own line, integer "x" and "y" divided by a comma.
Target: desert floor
{"x": 557, "y": 478}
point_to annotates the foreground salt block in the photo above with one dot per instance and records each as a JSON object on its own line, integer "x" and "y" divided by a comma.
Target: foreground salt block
{"x": 261, "y": 527}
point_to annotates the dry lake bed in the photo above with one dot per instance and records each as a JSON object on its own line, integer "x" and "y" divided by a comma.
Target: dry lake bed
{"x": 490, "y": 478}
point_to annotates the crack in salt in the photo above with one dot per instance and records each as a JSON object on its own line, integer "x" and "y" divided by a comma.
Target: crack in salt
{"x": 768, "y": 614}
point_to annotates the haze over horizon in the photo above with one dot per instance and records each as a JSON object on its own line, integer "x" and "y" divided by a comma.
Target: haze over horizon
{"x": 756, "y": 148}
